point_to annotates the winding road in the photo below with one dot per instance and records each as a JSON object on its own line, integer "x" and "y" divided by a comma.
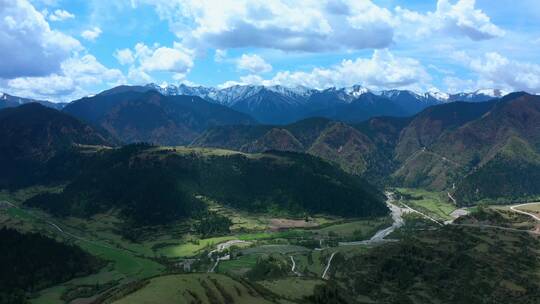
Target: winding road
{"x": 328, "y": 265}
{"x": 423, "y": 215}
{"x": 220, "y": 248}
{"x": 58, "y": 228}
{"x": 293, "y": 268}
{"x": 534, "y": 216}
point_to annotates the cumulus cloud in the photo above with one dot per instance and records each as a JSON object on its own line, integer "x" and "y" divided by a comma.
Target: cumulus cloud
{"x": 124, "y": 56}
{"x": 91, "y": 34}
{"x": 144, "y": 59}
{"x": 304, "y": 25}
{"x": 168, "y": 60}
{"x": 220, "y": 55}
{"x": 499, "y": 72}
{"x": 60, "y": 15}
{"x": 315, "y": 25}
{"x": 28, "y": 46}
{"x": 253, "y": 63}
{"x": 383, "y": 70}
{"x": 459, "y": 19}
{"x": 76, "y": 75}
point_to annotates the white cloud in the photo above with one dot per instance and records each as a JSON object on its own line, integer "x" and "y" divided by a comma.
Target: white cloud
{"x": 76, "y": 76}
{"x": 168, "y": 60}
{"x": 499, "y": 72}
{"x": 456, "y": 85}
{"x": 91, "y": 34}
{"x": 459, "y": 19}
{"x": 253, "y": 63}
{"x": 220, "y": 55}
{"x": 28, "y": 46}
{"x": 124, "y": 56}
{"x": 382, "y": 71}
{"x": 60, "y": 15}
{"x": 145, "y": 59}
{"x": 304, "y": 25}
{"x": 315, "y": 25}
{"x": 137, "y": 76}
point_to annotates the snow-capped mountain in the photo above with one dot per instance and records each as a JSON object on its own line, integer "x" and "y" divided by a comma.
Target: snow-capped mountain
{"x": 268, "y": 104}
{"x": 478, "y": 95}
{"x": 280, "y": 104}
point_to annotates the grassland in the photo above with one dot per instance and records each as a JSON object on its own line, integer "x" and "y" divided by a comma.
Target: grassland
{"x": 357, "y": 230}
{"x": 434, "y": 204}
{"x": 532, "y": 208}
{"x": 93, "y": 235}
{"x": 190, "y": 249}
{"x": 238, "y": 266}
{"x": 293, "y": 288}
{"x": 194, "y": 288}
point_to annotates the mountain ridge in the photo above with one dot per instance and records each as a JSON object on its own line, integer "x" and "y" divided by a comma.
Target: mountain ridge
{"x": 148, "y": 116}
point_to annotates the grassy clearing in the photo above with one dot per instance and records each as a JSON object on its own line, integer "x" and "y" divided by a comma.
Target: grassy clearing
{"x": 293, "y": 288}
{"x": 359, "y": 229}
{"x": 124, "y": 262}
{"x": 19, "y": 196}
{"x": 238, "y": 266}
{"x": 95, "y": 236}
{"x": 194, "y": 288}
{"x": 124, "y": 266}
{"x": 197, "y": 246}
{"x": 182, "y": 150}
{"x": 244, "y": 222}
{"x": 434, "y": 204}
{"x": 190, "y": 249}
{"x": 283, "y": 249}
{"x": 533, "y": 208}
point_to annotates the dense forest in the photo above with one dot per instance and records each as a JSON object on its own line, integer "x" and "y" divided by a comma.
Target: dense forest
{"x": 39, "y": 145}
{"x": 501, "y": 180}
{"x": 162, "y": 184}
{"x": 449, "y": 265}
{"x": 31, "y": 262}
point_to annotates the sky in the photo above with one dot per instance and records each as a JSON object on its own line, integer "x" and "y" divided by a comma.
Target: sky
{"x": 61, "y": 50}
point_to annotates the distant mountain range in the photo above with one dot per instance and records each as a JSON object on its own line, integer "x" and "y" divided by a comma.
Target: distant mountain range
{"x": 9, "y": 101}
{"x": 284, "y": 105}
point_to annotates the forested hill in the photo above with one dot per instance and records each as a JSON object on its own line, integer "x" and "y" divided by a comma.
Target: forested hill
{"x": 163, "y": 183}
{"x": 485, "y": 150}
{"x": 365, "y": 149}
{"x": 32, "y": 135}
{"x": 31, "y": 262}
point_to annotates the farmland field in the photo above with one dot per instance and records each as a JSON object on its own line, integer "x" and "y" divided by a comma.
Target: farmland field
{"x": 194, "y": 288}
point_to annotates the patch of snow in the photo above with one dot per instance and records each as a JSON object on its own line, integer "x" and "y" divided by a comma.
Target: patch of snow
{"x": 491, "y": 92}
{"x": 356, "y": 91}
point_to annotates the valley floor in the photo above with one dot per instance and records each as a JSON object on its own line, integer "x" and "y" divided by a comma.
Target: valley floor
{"x": 265, "y": 259}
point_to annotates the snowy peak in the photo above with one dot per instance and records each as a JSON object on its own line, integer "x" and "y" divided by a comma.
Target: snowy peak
{"x": 292, "y": 91}
{"x": 278, "y": 104}
{"x": 441, "y": 96}
{"x": 356, "y": 91}
{"x": 230, "y": 95}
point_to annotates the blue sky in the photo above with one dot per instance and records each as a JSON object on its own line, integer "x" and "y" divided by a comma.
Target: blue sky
{"x": 65, "y": 49}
